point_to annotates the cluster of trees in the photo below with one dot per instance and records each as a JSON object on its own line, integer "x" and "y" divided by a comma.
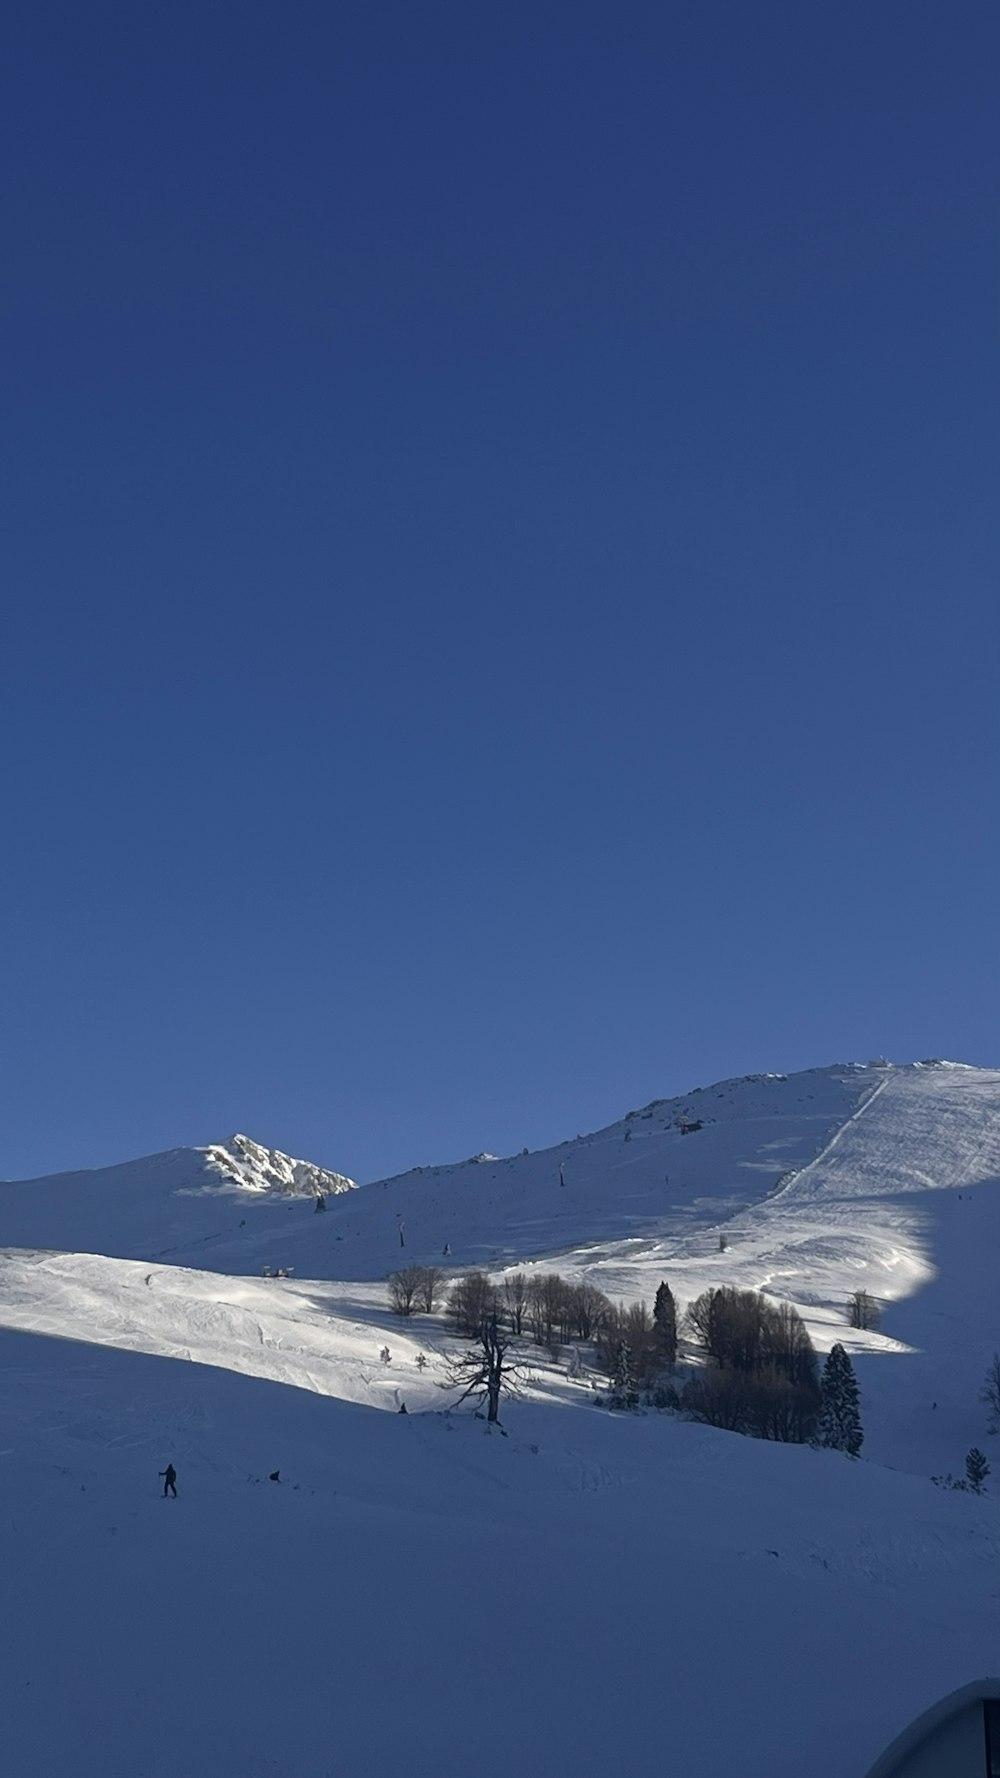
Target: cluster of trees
{"x": 551, "y": 1311}
{"x": 415, "y": 1288}
{"x": 745, "y": 1331}
{"x": 637, "y": 1349}
{"x": 765, "y": 1378}
{"x": 543, "y": 1307}
{"x": 632, "y": 1344}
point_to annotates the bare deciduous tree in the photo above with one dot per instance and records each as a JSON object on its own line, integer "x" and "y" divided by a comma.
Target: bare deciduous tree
{"x": 862, "y": 1310}
{"x": 730, "y": 1325}
{"x": 744, "y": 1330}
{"x": 717, "y": 1398}
{"x": 549, "y": 1308}
{"x": 589, "y": 1309}
{"x": 430, "y": 1288}
{"x": 515, "y": 1296}
{"x": 473, "y": 1301}
{"x": 403, "y": 1288}
{"x": 788, "y": 1349}
{"x": 490, "y": 1368}
{"x": 767, "y": 1383}
{"x": 780, "y": 1409}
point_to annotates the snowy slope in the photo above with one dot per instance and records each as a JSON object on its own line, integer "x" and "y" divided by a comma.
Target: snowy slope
{"x": 163, "y": 1203}
{"x": 637, "y": 1180}
{"x": 652, "y": 1591}
{"x": 590, "y": 1593}
{"x": 874, "y": 1176}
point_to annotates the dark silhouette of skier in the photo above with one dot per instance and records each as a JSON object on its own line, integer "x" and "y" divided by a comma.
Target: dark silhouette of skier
{"x": 169, "y": 1481}
{"x": 275, "y": 1475}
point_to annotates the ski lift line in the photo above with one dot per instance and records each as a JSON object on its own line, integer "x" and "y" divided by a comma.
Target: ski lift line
{"x": 799, "y": 1173}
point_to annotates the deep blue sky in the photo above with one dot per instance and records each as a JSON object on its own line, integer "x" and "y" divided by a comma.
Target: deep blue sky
{"x": 499, "y": 553}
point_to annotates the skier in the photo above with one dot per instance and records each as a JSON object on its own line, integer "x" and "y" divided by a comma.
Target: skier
{"x": 447, "y": 1250}
{"x": 275, "y": 1475}
{"x": 402, "y": 1407}
{"x": 562, "y": 1173}
{"x": 169, "y": 1481}
{"x": 320, "y": 1203}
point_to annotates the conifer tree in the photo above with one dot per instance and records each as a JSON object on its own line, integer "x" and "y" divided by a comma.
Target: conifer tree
{"x": 976, "y": 1470}
{"x": 624, "y": 1393}
{"x": 840, "y": 1413}
{"x": 665, "y": 1324}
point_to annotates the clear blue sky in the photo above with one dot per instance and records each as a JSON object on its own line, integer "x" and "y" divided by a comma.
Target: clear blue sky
{"x": 499, "y": 553}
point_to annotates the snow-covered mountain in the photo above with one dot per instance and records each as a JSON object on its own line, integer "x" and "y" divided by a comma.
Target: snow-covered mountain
{"x": 184, "y": 1199}
{"x": 819, "y": 1183}
{"x": 742, "y": 1590}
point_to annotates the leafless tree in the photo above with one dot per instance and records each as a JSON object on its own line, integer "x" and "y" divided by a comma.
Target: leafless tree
{"x": 778, "y": 1408}
{"x": 717, "y": 1398}
{"x": 430, "y": 1288}
{"x": 729, "y": 1324}
{"x": 515, "y": 1296}
{"x": 990, "y": 1392}
{"x": 863, "y": 1311}
{"x": 491, "y": 1367}
{"x": 589, "y": 1309}
{"x": 767, "y": 1345}
{"x": 548, "y": 1307}
{"x": 640, "y": 1333}
{"x": 403, "y": 1288}
{"x": 472, "y": 1302}
{"x": 787, "y": 1348}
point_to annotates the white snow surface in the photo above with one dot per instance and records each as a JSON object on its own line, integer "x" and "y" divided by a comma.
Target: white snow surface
{"x": 590, "y": 1591}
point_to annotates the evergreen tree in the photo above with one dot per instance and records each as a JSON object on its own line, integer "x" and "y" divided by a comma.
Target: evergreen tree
{"x": 840, "y": 1412}
{"x": 624, "y": 1393}
{"x": 665, "y": 1324}
{"x": 976, "y": 1470}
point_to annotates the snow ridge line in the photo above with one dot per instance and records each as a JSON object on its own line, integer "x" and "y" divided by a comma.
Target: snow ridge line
{"x": 793, "y": 1177}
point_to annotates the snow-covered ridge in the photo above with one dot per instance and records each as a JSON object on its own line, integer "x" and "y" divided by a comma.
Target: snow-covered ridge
{"x": 247, "y": 1165}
